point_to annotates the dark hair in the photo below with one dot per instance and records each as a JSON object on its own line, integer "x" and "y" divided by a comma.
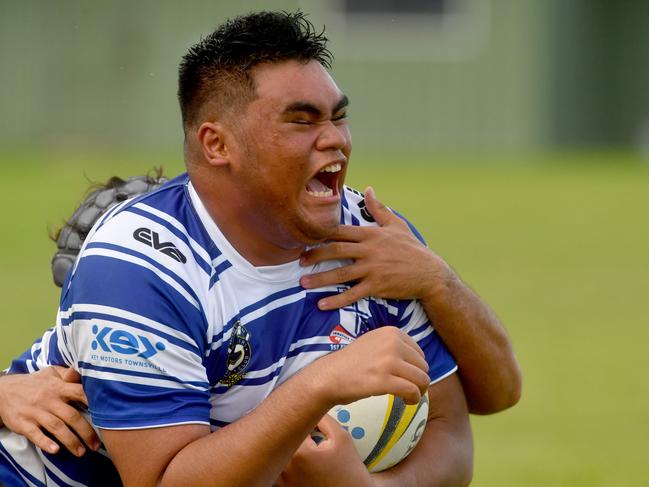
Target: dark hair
{"x": 217, "y": 67}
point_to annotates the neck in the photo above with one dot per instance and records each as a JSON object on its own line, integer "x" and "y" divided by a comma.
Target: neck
{"x": 240, "y": 224}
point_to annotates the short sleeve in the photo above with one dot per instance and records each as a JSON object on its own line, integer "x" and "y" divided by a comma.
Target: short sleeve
{"x": 135, "y": 330}
{"x": 410, "y": 317}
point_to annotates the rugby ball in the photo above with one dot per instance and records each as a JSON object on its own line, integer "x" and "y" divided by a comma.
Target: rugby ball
{"x": 384, "y": 428}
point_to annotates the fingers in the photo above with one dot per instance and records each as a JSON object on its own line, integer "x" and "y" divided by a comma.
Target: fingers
{"x": 61, "y": 432}
{"x": 34, "y": 434}
{"x": 75, "y": 420}
{"x": 338, "y": 275}
{"x": 330, "y": 427}
{"x": 349, "y": 233}
{"x": 330, "y": 251}
{"x": 405, "y": 389}
{"x": 341, "y": 300}
{"x": 378, "y": 210}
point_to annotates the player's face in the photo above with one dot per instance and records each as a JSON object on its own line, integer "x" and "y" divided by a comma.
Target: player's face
{"x": 295, "y": 146}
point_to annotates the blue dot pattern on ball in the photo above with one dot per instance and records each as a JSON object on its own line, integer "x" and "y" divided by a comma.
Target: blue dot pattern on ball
{"x": 358, "y": 433}
{"x": 343, "y": 416}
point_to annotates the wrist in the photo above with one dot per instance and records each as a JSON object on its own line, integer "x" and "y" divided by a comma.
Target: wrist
{"x": 312, "y": 383}
{"x": 441, "y": 282}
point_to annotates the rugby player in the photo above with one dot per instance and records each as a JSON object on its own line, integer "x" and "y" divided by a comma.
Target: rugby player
{"x": 201, "y": 316}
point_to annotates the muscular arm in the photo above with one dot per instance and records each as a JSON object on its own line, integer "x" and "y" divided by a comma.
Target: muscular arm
{"x": 490, "y": 374}
{"x": 254, "y": 450}
{"x": 390, "y": 262}
{"x": 249, "y": 452}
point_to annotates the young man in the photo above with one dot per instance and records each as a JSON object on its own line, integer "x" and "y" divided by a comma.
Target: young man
{"x": 200, "y": 316}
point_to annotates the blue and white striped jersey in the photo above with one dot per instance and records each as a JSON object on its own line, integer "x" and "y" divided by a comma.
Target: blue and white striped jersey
{"x": 167, "y": 324}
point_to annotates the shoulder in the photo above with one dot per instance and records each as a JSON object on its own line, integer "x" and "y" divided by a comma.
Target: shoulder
{"x": 355, "y": 212}
{"x": 153, "y": 243}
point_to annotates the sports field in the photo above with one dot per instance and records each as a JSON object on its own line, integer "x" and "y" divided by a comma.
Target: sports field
{"x": 558, "y": 245}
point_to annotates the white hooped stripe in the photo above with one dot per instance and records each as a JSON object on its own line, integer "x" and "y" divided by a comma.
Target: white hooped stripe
{"x": 120, "y": 313}
{"x": 178, "y": 226}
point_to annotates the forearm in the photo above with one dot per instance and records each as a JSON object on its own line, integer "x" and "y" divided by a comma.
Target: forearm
{"x": 249, "y": 452}
{"x": 488, "y": 369}
{"x": 275, "y": 429}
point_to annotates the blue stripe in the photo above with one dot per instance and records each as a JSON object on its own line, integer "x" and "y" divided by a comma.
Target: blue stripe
{"x": 419, "y": 329}
{"x": 53, "y": 354}
{"x": 19, "y": 364}
{"x": 256, "y": 381}
{"x": 115, "y": 404}
{"x": 125, "y": 286}
{"x": 199, "y": 260}
{"x": 313, "y": 347}
{"x": 255, "y": 306}
{"x": 156, "y": 264}
{"x": 18, "y": 468}
{"x": 217, "y": 272}
{"x": 59, "y": 481}
{"x": 269, "y": 299}
{"x": 345, "y": 206}
{"x": 90, "y": 315}
{"x": 134, "y": 373}
{"x": 180, "y": 180}
{"x": 37, "y": 353}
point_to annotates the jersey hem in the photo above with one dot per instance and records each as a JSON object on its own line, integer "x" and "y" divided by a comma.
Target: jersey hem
{"x": 151, "y": 426}
{"x": 443, "y": 376}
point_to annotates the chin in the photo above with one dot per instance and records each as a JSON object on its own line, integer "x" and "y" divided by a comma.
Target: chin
{"x": 314, "y": 234}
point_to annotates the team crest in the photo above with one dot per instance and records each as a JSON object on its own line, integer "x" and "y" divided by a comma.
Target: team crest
{"x": 239, "y": 353}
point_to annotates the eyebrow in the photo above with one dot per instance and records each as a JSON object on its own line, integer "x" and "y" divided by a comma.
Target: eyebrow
{"x": 306, "y": 107}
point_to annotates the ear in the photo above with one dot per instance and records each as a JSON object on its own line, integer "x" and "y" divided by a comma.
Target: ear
{"x": 213, "y": 138}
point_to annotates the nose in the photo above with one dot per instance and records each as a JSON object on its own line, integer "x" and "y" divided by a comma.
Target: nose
{"x": 333, "y": 137}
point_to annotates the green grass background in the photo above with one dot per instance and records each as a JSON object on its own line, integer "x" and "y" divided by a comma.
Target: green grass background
{"x": 558, "y": 245}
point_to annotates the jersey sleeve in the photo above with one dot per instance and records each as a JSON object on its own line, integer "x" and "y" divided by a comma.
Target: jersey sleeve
{"x": 42, "y": 353}
{"x": 410, "y": 317}
{"x": 132, "y": 325}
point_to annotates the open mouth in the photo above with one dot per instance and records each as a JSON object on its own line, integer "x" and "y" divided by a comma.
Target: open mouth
{"x": 325, "y": 183}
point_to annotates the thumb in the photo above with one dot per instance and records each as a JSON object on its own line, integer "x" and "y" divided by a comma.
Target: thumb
{"x": 330, "y": 427}
{"x": 378, "y": 210}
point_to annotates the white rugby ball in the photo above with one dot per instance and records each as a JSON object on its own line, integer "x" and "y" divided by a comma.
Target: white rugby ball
{"x": 384, "y": 428}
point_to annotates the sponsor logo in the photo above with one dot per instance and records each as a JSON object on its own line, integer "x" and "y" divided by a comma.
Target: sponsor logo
{"x": 122, "y": 342}
{"x": 152, "y": 239}
{"x": 365, "y": 213}
{"x": 340, "y": 336}
{"x": 239, "y": 353}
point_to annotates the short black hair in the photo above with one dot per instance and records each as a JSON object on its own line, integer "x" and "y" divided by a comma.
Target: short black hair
{"x": 217, "y": 67}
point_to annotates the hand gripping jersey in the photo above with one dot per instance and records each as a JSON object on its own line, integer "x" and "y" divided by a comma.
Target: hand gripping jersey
{"x": 167, "y": 324}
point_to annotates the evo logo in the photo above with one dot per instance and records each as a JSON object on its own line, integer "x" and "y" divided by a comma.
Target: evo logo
{"x": 123, "y": 342}
{"x": 152, "y": 239}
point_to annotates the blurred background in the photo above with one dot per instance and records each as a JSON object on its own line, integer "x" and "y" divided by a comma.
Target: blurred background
{"x": 513, "y": 133}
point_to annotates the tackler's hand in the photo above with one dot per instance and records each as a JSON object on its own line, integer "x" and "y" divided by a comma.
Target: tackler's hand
{"x": 388, "y": 261}
{"x": 31, "y": 403}
{"x": 331, "y": 462}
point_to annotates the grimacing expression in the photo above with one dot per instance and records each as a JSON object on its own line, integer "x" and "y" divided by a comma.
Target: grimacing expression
{"x": 296, "y": 145}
